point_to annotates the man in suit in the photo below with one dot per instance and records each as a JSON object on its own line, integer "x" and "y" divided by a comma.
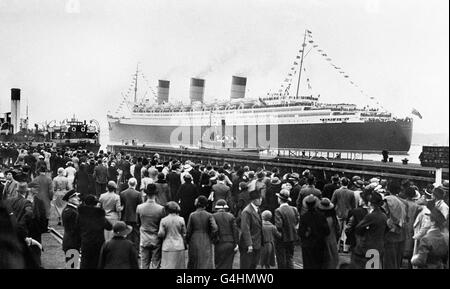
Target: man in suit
{"x": 149, "y": 215}
{"x": 10, "y": 190}
{"x": 344, "y": 201}
{"x": 286, "y": 220}
{"x": 196, "y": 174}
{"x": 22, "y": 210}
{"x": 309, "y": 189}
{"x": 45, "y": 185}
{"x": 130, "y": 199}
{"x": 39, "y": 221}
{"x": 92, "y": 224}
{"x": 30, "y": 160}
{"x": 250, "y": 242}
{"x": 69, "y": 217}
{"x": 220, "y": 190}
{"x": 329, "y": 189}
{"x": 101, "y": 178}
{"x": 174, "y": 181}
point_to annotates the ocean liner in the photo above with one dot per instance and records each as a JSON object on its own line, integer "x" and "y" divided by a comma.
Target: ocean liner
{"x": 290, "y": 120}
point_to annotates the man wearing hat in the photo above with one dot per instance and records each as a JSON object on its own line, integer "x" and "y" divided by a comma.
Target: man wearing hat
{"x": 31, "y": 160}
{"x": 438, "y": 195}
{"x": 91, "y": 224}
{"x": 261, "y": 183}
{"x": 149, "y": 215}
{"x": 307, "y": 190}
{"x": 39, "y": 222}
{"x": 10, "y": 189}
{"x": 187, "y": 193}
{"x": 220, "y": 190}
{"x": 394, "y": 241}
{"x": 243, "y": 199}
{"x": 228, "y": 237}
{"x": 21, "y": 209}
{"x": 110, "y": 202}
{"x": 71, "y": 239}
{"x": 195, "y": 173}
{"x": 286, "y": 220}
{"x": 344, "y": 201}
{"x": 173, "y": 179}
{"x": 296, "y": 187}
{"x": 235, "y": 190}
{"x": 304, "y": 179}
{"x": 329, "y": 189}
{"x": 119, "y": 253}
{"x": 101, "y": 178}
{"x": 353, "y": 185}
{"x": 250, "y": 241}
{"x": 40, "y": 163}
{"x": 433, "y": 247}
{"x": 45, "y": 185}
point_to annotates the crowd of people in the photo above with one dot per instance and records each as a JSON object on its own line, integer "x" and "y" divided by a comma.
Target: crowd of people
{"x": 123, "y": 211}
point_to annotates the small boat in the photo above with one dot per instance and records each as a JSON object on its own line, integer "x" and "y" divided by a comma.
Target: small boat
{"x": 75, "y": 134}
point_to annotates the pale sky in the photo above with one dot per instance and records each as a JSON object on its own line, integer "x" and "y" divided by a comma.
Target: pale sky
{"x": 78, "y": 59}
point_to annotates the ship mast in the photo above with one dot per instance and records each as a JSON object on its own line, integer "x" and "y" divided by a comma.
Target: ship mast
{"x": 136, "y": 83}
{"x": 301, "y": 64}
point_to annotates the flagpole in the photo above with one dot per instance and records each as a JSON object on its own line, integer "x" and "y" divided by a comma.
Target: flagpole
{"x": 301, "y": 64}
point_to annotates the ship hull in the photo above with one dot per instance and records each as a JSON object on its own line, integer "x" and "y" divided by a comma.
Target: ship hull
{"x": 370, "y": 137}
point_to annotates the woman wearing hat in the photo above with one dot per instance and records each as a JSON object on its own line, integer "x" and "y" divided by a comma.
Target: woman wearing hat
{"x": 432, "y": 252}
{"x": 201, "y": 229}
{"x": 370, "y": 231}
{"x": 228, "y": 236}
{"x": 331, "y": 259}
{"x": 172, "y": 232}
{"x": 313, "y": 231}
{"x": 271, "y": 201}
{"x": 60, "y": 188}
{"x": 70, "y": 173}
{"x": 187, "y": 193}
{"x": 119, "y": 253}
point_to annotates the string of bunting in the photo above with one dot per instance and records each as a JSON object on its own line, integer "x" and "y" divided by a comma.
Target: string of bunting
{"x": 327, "y": 58}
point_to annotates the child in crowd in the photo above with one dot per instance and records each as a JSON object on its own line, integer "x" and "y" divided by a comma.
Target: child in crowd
{"x": 269, "y": 232}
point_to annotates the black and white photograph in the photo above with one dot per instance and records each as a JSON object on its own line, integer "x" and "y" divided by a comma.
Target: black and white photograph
{"x": 243, "y": 135}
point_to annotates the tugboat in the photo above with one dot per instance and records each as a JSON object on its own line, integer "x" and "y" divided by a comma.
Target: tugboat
{"x": 68, "y": 133}
{"x": 75, "y": 134}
